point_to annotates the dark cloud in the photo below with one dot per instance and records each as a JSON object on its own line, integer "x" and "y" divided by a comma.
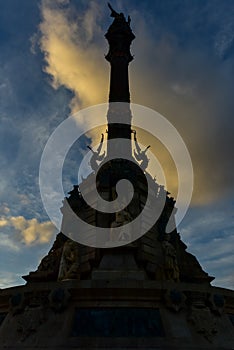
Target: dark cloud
{"x": 191, "y": 87}
{"x": 208, "y": 233}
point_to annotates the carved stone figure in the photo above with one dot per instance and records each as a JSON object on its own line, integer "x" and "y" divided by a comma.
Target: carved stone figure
{"x": 47, "y": 263}
{"x": 74, "y": 193}
{"x": 175, "y": 299}
{"x": 96, "y": 155}
{"x": 58, "y": 299}
{"x": 170, "y": 261}
{"x": 69, "y": 265}
{"x": 121, "y": 219}
{"x": 29, "y": 322}
{"x": 217, "y": 303}
{"x": 17, "y": 303}
{"x": 141, "y": 155}
{"x": 47, "y": 269}
{"x": 203, "y": 321}
{"x": 129, "y": 20}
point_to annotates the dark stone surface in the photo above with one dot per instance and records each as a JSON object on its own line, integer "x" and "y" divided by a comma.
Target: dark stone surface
{"x": 117, "y": 322}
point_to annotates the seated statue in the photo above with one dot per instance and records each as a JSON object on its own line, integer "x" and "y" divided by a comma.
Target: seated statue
{"x": 47, "y": 269}
{"x": 70, "y": 262}
{"x": 121, "y": 219}
{"x": 171, "y": 268}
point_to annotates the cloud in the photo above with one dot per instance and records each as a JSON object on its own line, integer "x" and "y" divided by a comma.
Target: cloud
{"x": 9, "y": 278}
{"x": 209, "y": 236}
{"x": 8, "y": 243}
{"x": 73, "y": 59}
{"x": 3, "y": 222}
{"x": 224, "y": 37}
{"x": 192, "y": 89}
{"x": 25, "y": 231}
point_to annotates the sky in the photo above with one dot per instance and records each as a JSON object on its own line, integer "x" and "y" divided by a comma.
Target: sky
{"x": 52, "y": 65}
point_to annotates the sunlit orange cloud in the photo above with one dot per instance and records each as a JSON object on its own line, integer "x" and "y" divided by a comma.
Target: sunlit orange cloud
{"x": 28, "y": 232}
{"x": 75, "y": 60}
{"x": 72, "y": 60}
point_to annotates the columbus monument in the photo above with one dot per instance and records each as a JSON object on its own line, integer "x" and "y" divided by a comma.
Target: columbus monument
{"x": 145, "y": 293}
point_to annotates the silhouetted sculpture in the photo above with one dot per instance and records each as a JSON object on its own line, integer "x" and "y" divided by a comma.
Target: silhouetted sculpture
{"x": 171, "y": 268}
{"x": 74, "y": 194}
{"x": 141, "y": 155}
{"x": 96, "y": 155}
{"x": 113, "y": 12}
{"x": 47, "y": 269}
{"x": 129, "y": 20}
{"x": 69, "y": 266}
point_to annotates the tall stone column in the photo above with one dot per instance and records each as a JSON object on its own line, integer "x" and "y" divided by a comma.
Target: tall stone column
{"x": 120, "y": 37}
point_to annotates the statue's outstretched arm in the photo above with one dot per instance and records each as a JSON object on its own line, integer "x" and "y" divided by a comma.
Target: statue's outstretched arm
{"x": 113, "y": 12}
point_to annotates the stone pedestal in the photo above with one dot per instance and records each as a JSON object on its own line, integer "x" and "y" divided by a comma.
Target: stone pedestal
{"x": 120, "y": 266}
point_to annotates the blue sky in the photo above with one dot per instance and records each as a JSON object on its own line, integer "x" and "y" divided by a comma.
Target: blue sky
{"x": 52, "y": 64}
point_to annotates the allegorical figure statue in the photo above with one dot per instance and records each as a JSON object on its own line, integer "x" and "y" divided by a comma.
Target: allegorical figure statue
{"x": 74, "y": 193}
{"x": 69, "y": 265}
{"x": 122, "y": 218}
{"x": 171, "y": 268}
{"x": 141, "y": 155}
{"x": 96, "y": 156}
{"x": 49, "y": 265}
